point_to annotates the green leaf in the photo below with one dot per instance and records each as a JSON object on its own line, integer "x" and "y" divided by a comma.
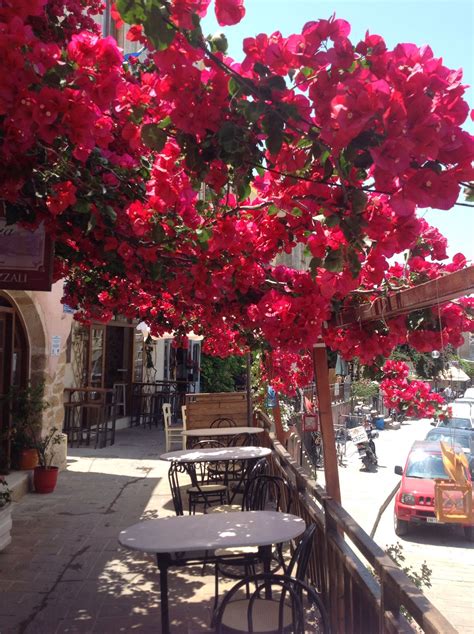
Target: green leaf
{"x": 132, "y": 12}
{"x": 274, "y": 141}
{"x": 296, "y": 212}
{"x": 314, "y": 264}
{"x": 332, "y": 221}
{"x": 158, "y": 233}
{"x": 233, "y": 86}
{"x": 219, "y": 42}
{"x": 243, "y": 191}
{"x": 203, "y": 235}
{"x": 304, "y": 142}
{"x": 111, "y": 213}
{"x": 334, "y": 261}
{"x": 354, "y": 262}
{"x": 82, "y": 206}
{"x": 165, "y": 122}
{"x": 153, "y": 136}
{"x": 328, "y": 170}
{"x": 159, "y": 32}
{"x": 260, "y": 69}
{"x": 273, "y": 210}
{"x": 276, "y": 83}
{"x": 359, "y": 201}
{"x": 254, "y": 110}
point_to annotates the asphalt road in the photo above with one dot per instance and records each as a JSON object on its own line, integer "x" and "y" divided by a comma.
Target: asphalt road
{"x": 444, "y": 548}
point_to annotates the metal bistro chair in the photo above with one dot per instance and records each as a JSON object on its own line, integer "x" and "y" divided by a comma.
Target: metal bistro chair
{"x": 232, "y": 471}
{"x": 262, "y": 493}
{"x": 172, "y": 432}
{"x": 202, "y": 491}
{"x": 279, "y": 605}
{"x": 223, "y": 421}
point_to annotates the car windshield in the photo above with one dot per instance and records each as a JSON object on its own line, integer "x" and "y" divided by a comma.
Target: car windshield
{"x": 425, "y": 465}
{"x": 462, "y": 423}
{"x": 451, "y": 436}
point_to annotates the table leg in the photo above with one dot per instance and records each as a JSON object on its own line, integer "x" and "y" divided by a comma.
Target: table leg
{"x": 163, "y": 561}
{"x": 265, "y": 553}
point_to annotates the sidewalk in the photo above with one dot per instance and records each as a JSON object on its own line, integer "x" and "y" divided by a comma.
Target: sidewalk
{"x": 64, "y": 570}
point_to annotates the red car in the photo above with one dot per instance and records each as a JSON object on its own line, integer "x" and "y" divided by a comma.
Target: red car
{"x": 414, "y": 503}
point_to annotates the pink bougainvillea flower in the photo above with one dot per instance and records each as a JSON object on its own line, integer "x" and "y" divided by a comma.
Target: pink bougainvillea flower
{"x": 229, "y": 12}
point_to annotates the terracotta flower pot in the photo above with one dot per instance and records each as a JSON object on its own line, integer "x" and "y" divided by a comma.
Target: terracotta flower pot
{"x": 28, "y": 459}
{"x": 45, "y": 479}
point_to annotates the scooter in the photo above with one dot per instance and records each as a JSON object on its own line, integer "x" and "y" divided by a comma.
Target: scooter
{"x": 364, "y": 441}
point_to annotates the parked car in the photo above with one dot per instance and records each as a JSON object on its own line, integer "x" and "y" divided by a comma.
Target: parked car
{"x": 469, "y": 393}
{"x": 456, "y": 422}
{"x": 453, "y": 436}
{"x": 462, "y": 415}
{"x": 414, "y": 502}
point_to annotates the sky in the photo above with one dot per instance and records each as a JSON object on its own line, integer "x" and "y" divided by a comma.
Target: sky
{"x": 446, "y": 25}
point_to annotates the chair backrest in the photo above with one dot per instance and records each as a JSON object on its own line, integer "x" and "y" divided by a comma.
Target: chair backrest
{"x": 240, "y": 440}
{"x": 259, "y": 468}
{"x": 223, "y": 421}
{"x": 167, "y": 414}
{"x": 267, "y": 492}
{"x": 294, "y": 606}
{"x": 208, "y": 444}
{"x": 298, "y": 565}
{"x": 173, "y": 471}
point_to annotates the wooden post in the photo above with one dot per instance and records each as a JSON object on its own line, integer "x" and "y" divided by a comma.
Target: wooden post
{"x": 320, "y": 365}
{"x": 280, "y": 434}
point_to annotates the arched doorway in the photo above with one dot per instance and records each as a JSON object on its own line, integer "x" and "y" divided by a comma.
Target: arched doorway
{"x": 14, "y": 368}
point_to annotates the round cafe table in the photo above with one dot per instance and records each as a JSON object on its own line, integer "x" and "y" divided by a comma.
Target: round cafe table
{"x": 190, "y": 457}
{"x": 216, "y": 454}
{"x": 174, "y": 540}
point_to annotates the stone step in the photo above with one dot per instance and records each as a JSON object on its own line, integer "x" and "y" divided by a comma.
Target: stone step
{"x": 20, "y": 483}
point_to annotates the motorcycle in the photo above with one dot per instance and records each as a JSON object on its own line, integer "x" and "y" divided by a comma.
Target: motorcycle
{"x": 364, "y": 441}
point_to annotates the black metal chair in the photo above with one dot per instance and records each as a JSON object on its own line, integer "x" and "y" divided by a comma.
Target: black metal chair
{"x": 173, "y": 478}
{"x": 223, "y": 421}
{"x": 279, "y": 605}
{"x": 231, "y": 471}
{"x": 203, "y": 491}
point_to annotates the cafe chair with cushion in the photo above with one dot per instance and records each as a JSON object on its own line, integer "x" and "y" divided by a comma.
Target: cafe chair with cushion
{"x": 173, "y": 433}
{"x": 280, "y": 604}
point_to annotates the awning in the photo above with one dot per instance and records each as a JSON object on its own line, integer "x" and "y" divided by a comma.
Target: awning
{"x": 453, "y": 374}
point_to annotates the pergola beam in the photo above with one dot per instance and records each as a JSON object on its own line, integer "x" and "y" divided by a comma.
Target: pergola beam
{"x": 432, "y": 293}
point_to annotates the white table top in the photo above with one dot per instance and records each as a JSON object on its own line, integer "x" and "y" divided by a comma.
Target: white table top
{"x": 216, "y": 454}
{"x": 222, "y": 431}
{"x": 189, "y": 533}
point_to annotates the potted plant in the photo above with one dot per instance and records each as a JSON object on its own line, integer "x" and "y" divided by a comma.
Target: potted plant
{"x": 5, "y": 514}
{"x": 45, "y": 475}
{"x": 26, "y": 406}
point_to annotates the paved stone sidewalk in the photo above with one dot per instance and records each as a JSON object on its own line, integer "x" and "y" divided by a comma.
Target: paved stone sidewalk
{"x": 65, "y": 572}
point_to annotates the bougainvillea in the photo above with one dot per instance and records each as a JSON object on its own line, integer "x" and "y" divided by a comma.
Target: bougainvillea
{"x": 409, "y": 397}
{"x": 171, "y": 184}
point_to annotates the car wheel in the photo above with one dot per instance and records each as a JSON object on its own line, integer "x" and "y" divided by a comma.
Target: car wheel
{"x": 469, "y": 533}
{"x": 401, "y": 527}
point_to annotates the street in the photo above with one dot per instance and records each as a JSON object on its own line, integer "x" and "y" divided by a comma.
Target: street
{"x": 444, "y": 548}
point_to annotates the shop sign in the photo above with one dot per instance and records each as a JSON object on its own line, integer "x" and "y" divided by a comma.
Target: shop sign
{"x": 26, "y": 258}
{"x": 311, "y": 422}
